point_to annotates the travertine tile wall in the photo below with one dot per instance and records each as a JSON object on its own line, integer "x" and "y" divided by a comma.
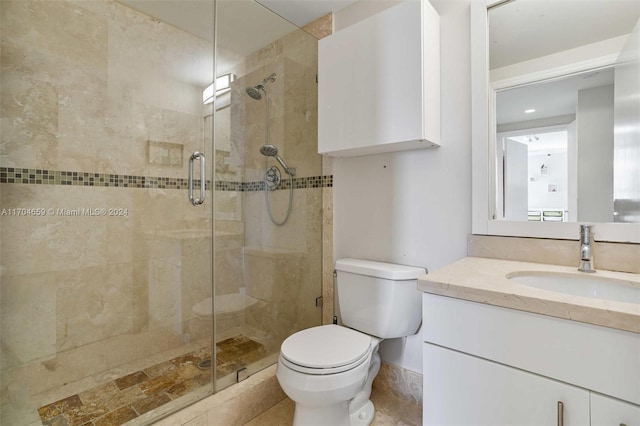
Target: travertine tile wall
{"x": 610, "y": 256}
{"x": 81, "y": 92}
{"x": 321, "y": 28}
{"x": 282, "y": 264}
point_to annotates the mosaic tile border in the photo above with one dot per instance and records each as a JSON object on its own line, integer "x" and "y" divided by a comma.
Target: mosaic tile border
{"x": 298, "y": 183}
{"x": 56, "y": 177}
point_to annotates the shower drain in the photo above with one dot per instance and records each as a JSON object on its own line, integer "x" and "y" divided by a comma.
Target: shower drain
{"x": 204, "y": 364}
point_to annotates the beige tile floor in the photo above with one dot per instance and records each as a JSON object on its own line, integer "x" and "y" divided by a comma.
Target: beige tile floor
{"x": 390, "y": 411}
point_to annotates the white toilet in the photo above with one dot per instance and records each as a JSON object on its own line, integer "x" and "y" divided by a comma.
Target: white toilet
{"x": 328, "y": 370}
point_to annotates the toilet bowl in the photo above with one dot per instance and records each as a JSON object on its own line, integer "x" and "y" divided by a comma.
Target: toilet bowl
{"x": 324, "y": 383}
{"x": 328, "y": 370}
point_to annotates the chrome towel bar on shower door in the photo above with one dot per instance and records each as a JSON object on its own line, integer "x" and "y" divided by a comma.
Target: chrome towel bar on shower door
{"x": 203, "y": 179}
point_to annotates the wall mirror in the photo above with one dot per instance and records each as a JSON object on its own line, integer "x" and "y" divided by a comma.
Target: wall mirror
{"x": 563, "y": 129}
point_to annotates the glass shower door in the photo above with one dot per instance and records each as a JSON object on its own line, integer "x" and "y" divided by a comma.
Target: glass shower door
{"x": 105, "y": 263}
{"x": 268, "y": 213}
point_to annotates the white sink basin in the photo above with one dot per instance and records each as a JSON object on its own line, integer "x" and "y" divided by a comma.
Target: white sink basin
{"x": 580, "y": 285}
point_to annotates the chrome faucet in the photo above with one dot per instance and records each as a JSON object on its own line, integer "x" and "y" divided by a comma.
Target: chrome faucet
{"x": 586, "y": 252}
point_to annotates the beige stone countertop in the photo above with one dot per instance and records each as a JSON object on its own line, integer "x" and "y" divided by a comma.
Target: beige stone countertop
{"x": 484, "y": 280}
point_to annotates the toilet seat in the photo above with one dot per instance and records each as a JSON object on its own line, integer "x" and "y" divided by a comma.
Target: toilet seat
{"x": 327, "y": 349}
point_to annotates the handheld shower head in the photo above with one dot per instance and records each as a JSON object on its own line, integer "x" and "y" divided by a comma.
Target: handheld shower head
{"x": 269, "y": 150}
{"x": 272, "y": 151}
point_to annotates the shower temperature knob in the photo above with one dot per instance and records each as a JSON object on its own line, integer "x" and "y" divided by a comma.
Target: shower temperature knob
{"x": 272, "y": 177}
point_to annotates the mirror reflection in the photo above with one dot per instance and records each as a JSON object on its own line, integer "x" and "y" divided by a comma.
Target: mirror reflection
{"x": 567, "y": 148}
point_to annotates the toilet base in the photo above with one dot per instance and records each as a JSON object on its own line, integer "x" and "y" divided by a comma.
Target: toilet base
{"x": 364, "y": 416}
{"x": 334, "y": 415}
{"x": 337, "y": 400}
{"x": 361, "y": 408}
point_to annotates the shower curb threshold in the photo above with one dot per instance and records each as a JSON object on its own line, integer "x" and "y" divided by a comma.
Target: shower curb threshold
{"x": 235, "y": 405}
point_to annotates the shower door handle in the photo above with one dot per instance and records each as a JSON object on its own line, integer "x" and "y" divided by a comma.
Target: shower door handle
{"x": 197, "y": 156}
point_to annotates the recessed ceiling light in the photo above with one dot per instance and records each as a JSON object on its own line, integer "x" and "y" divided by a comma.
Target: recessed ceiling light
{"x": 529, "y": 111}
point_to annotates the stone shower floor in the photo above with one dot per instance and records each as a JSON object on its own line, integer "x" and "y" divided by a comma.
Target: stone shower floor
{"x": 124, "y": 399}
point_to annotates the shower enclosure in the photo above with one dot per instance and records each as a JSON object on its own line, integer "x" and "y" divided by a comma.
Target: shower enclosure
{"x": 273, "y": 268}
{"x": 139, "y": 268}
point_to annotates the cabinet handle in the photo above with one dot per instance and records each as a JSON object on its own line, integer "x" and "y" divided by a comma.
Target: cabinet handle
{"x": 560, "y": 413}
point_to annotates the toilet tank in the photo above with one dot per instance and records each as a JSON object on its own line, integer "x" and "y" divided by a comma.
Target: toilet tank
{"x": 380, "y": 299}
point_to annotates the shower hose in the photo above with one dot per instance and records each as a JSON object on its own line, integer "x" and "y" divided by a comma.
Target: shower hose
{"x": 267, "y": 190}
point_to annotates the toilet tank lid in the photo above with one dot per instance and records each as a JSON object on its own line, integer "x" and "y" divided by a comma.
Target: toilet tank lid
{"x": 388, "y": 271}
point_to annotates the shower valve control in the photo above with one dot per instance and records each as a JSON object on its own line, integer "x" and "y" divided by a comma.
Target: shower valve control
{"x": 272, "y": 178}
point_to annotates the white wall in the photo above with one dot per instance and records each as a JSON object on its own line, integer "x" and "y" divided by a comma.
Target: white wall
{"x": 358, "y": 11}
{"x": 414, "y": 207}
{"x": 539, "y": 196}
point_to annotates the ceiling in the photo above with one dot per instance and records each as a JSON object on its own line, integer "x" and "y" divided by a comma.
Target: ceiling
{"x": 550, "y": 99}
{"x": 519, "y": 30}
{"x": 244, "y": 26}
{"x": 526, "y": 29}
{"x": 301, "y": 12}
{"x": 546, "y": 142}
{"x": 523, "y": 30}
{"x": 196, "y": 16}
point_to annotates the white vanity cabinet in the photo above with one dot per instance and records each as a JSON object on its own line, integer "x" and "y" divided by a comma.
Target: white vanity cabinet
{"x": 474, "y": 391}
{"x": 607, "y": 411}
{"x": 379, "y": 83}
{"x": 488, "y": 365}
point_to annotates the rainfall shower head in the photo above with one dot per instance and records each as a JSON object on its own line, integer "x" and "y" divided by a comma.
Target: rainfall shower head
{"x": 272, "y": 151}
{"x": 254, "y": 91}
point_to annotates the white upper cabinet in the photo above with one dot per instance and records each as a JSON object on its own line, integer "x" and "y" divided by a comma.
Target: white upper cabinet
{"x": 379, "y": 83}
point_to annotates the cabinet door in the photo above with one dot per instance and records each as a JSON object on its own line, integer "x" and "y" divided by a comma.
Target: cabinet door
{"x": 606, "y": 411}
{"x": 379, "y": 83}
{"x": 460, "y": 389}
